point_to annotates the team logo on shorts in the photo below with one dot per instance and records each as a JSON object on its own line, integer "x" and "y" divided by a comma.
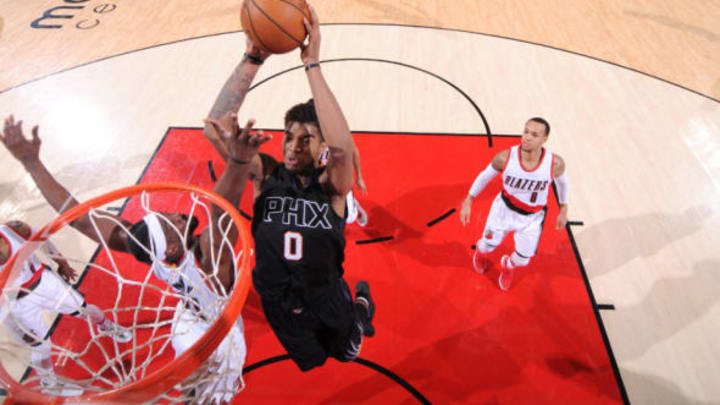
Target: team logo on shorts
{"x": 29, "y": 339}
{"x": 488, "y": 235}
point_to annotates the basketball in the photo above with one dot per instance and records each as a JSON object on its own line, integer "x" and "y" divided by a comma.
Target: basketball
{"x": 275, "y": 26}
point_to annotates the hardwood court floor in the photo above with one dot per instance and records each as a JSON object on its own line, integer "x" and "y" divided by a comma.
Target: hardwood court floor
{"x": 642, "y": 154}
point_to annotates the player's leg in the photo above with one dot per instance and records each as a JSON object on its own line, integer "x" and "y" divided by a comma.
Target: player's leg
{"x": 227, "y": 363}
{"x": 224, "y": 366}
{"x": 54, "y": 294}
{"x": 295, "y": 327}
{"x": 350, "y": 319}
{"x": 364, "y": 308}
{"x": 527, "y": 238}
{"x": 495, "y": 231}
{"x": 186, "y": 328}
{"x": 26, "y": 326}
{"x": 104, "y": 325}
{"x": 25, "y": 323}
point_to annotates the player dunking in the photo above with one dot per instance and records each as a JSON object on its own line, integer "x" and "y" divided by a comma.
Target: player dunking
{"x": 299, "y": 219}
{"x": 527, "y": 171}
{"x": 176, "y": 259}
{"x": 36, "y": 289}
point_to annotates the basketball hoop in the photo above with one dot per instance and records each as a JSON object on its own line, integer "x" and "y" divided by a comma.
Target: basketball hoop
{"x": 149, "y": 381}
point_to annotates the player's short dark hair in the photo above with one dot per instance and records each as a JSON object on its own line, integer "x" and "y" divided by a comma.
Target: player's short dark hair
{"x": 140, "y": 231}
{"x": 541, "y": 120}
{"x": 303, "y": 113}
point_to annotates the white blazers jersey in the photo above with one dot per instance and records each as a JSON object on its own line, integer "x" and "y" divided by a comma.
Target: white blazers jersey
{"x": 526, "y": 189}
{"x": 188, "y": 279}
{"x": 32, "y": 269}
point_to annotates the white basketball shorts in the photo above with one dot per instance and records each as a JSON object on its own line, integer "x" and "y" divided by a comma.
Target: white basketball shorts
{"x": 527, "y": 228}
{"x": 52, "y": 294}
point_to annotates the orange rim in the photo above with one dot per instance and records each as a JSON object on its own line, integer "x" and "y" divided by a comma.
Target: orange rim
{"x": 163, "y": 379}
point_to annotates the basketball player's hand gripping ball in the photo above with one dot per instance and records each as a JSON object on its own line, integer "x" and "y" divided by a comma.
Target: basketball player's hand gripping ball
{"x": 275, "y": 26}
{"x": 311, "y": 51}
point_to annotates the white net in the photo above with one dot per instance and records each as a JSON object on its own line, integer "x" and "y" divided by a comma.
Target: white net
{"x": 125, "y": 319}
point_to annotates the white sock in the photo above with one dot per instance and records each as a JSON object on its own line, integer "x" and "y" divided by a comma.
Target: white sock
{"x": 98, "y": 318}
{"x": 518, "y": 261}
{"x": 483, "y": 246}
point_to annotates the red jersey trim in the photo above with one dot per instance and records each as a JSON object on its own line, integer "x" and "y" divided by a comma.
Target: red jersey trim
{"x": 36, "y": 276}
{"x": 519, "y": 204}
{"x": 542, "y": 157}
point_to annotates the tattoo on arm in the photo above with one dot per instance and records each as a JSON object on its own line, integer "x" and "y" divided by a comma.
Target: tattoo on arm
{"x": 558, "y": 166}
{"x": 234, "y": 91}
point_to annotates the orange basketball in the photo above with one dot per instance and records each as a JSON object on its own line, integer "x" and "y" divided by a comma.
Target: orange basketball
{"x": 275, "y": 25}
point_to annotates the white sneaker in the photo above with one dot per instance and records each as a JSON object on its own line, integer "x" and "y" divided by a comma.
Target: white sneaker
{"x": 506, "y": 273}
{"x": 117, "y": 332}
{"x": 51, "y": 386}
{"x": 480, "y": 262}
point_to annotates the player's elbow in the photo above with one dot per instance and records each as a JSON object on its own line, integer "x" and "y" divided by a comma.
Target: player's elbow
{"x": 84, "y": 226}
{"x": 342, "y": 150}
{"x": 209, "y": 133}
{"x": 341, "y": 177}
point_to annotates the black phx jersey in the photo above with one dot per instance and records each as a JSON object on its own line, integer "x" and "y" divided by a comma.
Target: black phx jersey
{"x": 299, "y": 239}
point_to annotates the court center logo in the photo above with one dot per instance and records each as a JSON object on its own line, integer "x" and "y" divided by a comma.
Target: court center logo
{"x": 87, "y": 11}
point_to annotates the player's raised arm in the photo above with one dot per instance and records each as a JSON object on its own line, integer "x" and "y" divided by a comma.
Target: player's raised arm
{"x": 332, "y": 121}
{"x": 232, "y": 95}
{"x": 64, "y": 269}
{"x": 27, "y": 152}
{"x": 492, "y": 170}
{"x": 242, "y": 147}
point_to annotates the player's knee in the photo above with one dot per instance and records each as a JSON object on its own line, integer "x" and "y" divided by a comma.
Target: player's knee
{"x": 519, "y": 260}
{"x": 40, "y": 353}
{"x": 484, "y": 247}
{"x": 35, "y": 341}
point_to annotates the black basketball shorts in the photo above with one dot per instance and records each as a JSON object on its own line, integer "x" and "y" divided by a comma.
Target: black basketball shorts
{"x": 327, "y": 327}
